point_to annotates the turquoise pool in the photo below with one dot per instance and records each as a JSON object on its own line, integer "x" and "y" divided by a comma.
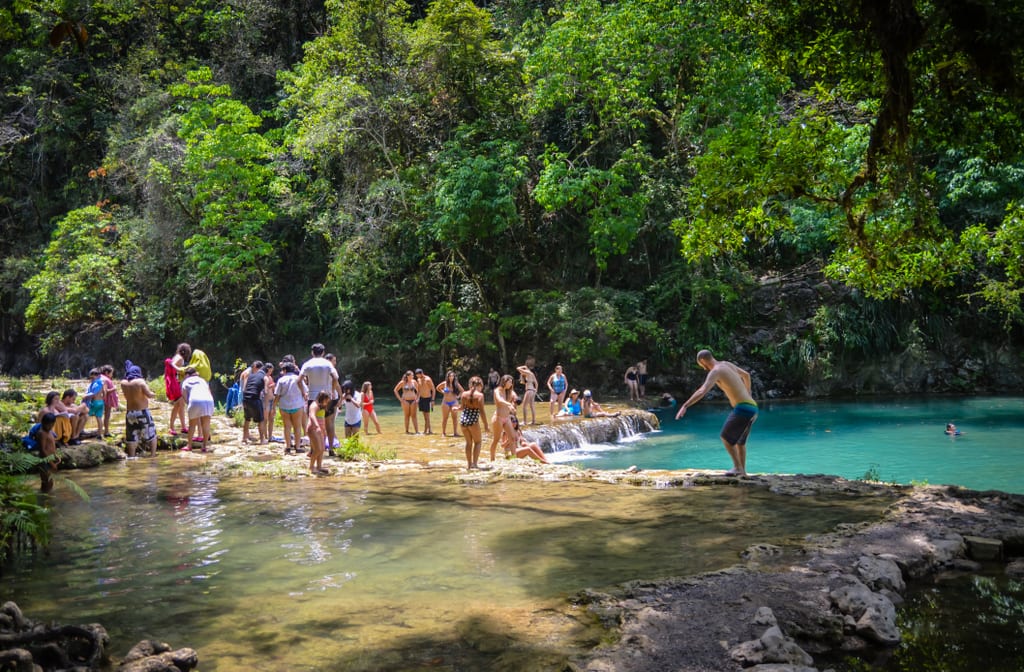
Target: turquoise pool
{"x": 895, "y": 440}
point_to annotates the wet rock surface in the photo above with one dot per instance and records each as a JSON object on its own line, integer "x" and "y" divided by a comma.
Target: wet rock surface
{"x": 30, "y": 646}
{"x": 837, "y": 593}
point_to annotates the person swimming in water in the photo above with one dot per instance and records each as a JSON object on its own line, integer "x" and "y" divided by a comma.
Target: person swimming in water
{"x": 951, "y": 430}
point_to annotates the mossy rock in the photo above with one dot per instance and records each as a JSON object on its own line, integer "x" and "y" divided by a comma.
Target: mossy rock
{"x": 89, "y": 454}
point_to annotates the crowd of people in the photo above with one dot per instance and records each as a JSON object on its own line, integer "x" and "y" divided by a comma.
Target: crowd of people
{"x": 309, "y": 398}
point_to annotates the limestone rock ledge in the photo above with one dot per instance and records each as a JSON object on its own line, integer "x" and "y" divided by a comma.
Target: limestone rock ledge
{"x": 776, "y": 611}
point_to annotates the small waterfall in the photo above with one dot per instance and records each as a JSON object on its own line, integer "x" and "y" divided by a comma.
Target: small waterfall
{"x": 578, "y": 432}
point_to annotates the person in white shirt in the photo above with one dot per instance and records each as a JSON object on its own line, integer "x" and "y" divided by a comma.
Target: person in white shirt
{"x": 319, "y": 375}
{"x": 353, "y": 402}
{"x": 290, "y": 393}
{"x": 199, "y": 407}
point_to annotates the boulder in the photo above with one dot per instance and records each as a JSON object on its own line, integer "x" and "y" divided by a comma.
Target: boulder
{"x": 771, "y": 647}
{"x": 873, "y": 615}
{"x": 88, "y": 454}
{"x": 181, "y": 660}
{"x": 981, "y": 548}
{"x": 1015, "y": 568}
{"x": 878, "y": 573}
{"x": 764, "y": 616}
{"x": 145, "y": 649}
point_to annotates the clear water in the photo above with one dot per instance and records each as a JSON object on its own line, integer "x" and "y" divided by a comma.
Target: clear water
{"x": 959, "y": 623}
{"x": 392, "y": 572}
{"x": 897, "y": 440}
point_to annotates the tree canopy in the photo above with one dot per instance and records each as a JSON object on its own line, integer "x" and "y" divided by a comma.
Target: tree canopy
{"x": 588, "y": 181}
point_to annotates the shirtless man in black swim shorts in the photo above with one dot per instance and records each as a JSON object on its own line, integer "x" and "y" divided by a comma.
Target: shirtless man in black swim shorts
{"x": 425, "y": 385}
{"x": 735, "y": 382}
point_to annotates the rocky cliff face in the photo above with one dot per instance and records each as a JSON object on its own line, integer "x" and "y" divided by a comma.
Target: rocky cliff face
{"x": 806, "y": 336}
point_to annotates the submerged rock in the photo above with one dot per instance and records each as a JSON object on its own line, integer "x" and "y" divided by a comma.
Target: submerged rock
{"x": 33, "y": 647}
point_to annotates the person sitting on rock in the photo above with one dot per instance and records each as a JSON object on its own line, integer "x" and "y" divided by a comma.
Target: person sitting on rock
{"x": 517, "y": 445}
{"x": 77, "y": 413}
{"x": 592, "y": 409}
{"x": 62, "y": 428}
{"x": 572, "y": 406}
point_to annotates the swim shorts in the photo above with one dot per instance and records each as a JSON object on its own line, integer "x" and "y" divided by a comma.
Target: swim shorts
{"x": 737, "y": 426}
{"x": 139, "y": 426}
{"x": 96, "y": 408}
{"x": 253, "y": 409}
{"x": 425, "y": 404}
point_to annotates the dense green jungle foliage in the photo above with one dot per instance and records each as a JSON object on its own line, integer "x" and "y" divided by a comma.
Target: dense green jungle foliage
{"x": 804, "y": 186}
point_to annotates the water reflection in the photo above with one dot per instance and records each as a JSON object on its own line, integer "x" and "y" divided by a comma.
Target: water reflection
{"x": 392, "y": 570}
{"x": 962, "y": 623}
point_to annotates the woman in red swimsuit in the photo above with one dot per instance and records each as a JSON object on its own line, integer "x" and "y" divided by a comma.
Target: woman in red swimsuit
{"x": 368, "y": 412}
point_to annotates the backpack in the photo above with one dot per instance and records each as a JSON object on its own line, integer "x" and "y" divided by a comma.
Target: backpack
{"x": 202, "y": 365}
{"x": 30, "y": 441}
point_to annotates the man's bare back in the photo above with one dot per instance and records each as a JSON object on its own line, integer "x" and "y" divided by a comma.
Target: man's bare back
{"x": 136, "y": 394}
{"x": 733, "y": 380}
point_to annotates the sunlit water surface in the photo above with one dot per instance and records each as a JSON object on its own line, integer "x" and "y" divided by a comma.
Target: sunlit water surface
{"x": 397, "y": 571}
{"x": 894, "y": 440}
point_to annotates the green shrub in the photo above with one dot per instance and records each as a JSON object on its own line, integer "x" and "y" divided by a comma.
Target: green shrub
{"x": 156, "y": 386}
{"x": 354, "y": 448}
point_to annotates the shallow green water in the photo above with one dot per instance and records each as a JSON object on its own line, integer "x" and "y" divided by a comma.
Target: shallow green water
{"x": 896, "y": 440}
{"x": 398, "y": 571}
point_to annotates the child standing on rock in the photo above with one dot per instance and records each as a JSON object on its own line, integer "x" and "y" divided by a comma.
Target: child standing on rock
{"x": 316, "y": 431}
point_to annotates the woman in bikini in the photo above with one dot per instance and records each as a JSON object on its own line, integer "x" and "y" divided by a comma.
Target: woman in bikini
{"x": 451, "y": 388}
{"x": 368, "y": 412}
{"x": 529, "y": 380}
{"x": 471, "y": 412}
{"x": 505, "y": 403}
{"x": 408, "y": 395}
{"x": 557, "y": 385}
{"x": 520, "y": 447}
{"x": 316, "y": 429}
